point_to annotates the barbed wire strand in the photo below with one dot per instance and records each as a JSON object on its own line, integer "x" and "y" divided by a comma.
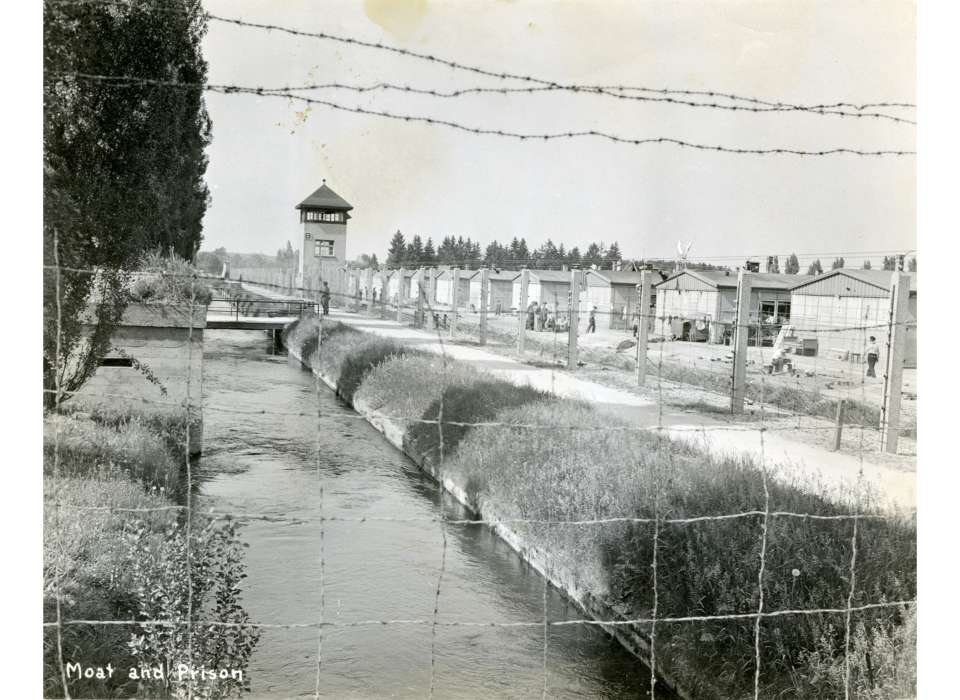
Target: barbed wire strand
{"x": 536, "y": 136}
{"x": 512, "y": 76}
{"x": 588, "y": 622}
{"x": 285, "y": 90}
{"x": 58, "y": 562}
{"x": 320, "y": 485}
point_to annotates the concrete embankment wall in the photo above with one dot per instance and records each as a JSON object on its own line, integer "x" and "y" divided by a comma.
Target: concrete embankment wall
{"x": 563, "y": 579}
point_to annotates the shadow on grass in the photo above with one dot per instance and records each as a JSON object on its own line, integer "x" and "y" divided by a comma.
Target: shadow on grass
{"x": 476, "y": 403}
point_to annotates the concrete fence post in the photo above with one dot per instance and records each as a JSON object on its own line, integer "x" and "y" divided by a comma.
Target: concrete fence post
{"x": 574, "y": 310}
{"x": 484, "y": 303}
{"x": 454, "y": 299}
{"x": 421, "y": 297}
{"x": 839, "y": 433}
{"x": 741, "y": 334}
{"x": 522, "y": 310}
{"x": 896, "y": 349}
{"x": 643, "y": 321}
{"x": 400, "y": 276}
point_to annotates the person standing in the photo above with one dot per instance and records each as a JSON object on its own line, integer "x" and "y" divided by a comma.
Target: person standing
{"x": 325, "y": 299}
{"x": 592, "y": 323}
{"x": 872, "y": 352}
{"x": 531, "y": 314}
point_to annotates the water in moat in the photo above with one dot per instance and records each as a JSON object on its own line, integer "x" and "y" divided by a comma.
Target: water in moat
{"x": 267, "y": 464}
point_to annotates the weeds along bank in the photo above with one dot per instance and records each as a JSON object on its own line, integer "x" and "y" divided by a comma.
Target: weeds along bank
{"x": 569, "y": 463}
{"x": 115, "y": 548}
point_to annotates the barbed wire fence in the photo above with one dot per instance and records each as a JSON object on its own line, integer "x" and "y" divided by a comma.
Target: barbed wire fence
{"x": 412, "y": 314}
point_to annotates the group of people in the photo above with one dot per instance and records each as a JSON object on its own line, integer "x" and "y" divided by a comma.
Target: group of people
{"x": 540, "y": 317}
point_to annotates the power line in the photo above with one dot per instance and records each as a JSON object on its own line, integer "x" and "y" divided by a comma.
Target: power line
{"x": 613, "y": 138}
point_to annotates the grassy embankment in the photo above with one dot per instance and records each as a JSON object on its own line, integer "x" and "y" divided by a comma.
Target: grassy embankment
{"x": 564, "y": 471}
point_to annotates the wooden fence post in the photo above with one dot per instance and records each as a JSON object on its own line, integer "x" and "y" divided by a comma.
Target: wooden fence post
{"x": 896, "y": 349}
{"x": 741, "y": 334}
{"x": 643, "y": 320}
{"x": 522, "y": 310}
{"x": 421, "y": 294}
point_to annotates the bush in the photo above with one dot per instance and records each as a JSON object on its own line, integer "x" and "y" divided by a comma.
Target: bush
{"x": 107, "y": 565}
{"x": 168, "y": 280}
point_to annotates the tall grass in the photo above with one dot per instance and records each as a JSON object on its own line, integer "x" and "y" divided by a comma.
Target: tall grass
{"x": 114, "y": 550}
{"x": 559, "y": 473}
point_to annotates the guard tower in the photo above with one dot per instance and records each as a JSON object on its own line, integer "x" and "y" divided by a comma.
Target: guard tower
{"x": 323, "y": 245}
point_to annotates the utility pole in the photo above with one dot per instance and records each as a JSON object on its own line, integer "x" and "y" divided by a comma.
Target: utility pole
{"x": 484, "y": 294}
{"x": 575, "y": 276}
{"x": 896, "y": 349}
{"x": 522, "y": 310}
{"x": 643, "y": 314}
{"x": 741, "y": 333}
{"x": 454, "y": 299}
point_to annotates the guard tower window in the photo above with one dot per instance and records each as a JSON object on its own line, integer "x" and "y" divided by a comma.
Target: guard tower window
{"x": 323, "y": 249}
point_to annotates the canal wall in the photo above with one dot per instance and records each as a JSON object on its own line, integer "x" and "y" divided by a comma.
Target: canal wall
{"x": 155, "y": 359}
{"x": 561, "y": 578}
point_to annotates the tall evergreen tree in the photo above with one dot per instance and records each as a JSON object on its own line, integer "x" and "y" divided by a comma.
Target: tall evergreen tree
{"x": 815, "y": 267}
{"x": 429, "y": 254}
{"x": 837, "y": 263}
{"x": 912, "y": 264}
{"x": 123, "y": 163}
{"x": 612, "y": 256}
{"x": 792, "y": 266}
{"x": 397, "y": 250}
{"x": 867, "y": 265}
{"x": 890, "y": 262}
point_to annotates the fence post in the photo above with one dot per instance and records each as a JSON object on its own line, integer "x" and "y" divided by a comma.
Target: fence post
{"x": 484, "y": 294}
{"x": 400, "y": 277}
{"x": 839, "y": 433}
{"x": 368, "y": 291}
{"x": 421, "y": 293}
{"x": 454, "y": 299}
{"x": 574, "y": 310}
{"x": 643, "y": 313}
{"x": 522, "y": 310}
{"x": 896, "y": 349}
{"x": 741, "y": 334}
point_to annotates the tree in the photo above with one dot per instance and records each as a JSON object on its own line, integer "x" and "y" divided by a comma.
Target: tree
{"x": 429, "y": 254}
{"x": 837, "y": 263}
{"x": 594, "y": 255}
{"x": 397, "y": 250}
{"x": 792, "y": 265}
{"x": 612, "y": 256}
{"x": 413, "y": 255}
{"x": 815, "y": 267}
{"x": 890, "y": 262}
{"x": 867, "y": 265}
{"x": 123, "y": 163}
{"x": 912, "y": 264}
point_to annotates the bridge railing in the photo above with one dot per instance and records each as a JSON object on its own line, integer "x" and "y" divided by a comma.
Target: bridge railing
{"x": 261, "y": 307}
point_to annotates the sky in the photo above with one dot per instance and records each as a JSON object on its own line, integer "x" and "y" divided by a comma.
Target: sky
{"x": 269, "y": 153}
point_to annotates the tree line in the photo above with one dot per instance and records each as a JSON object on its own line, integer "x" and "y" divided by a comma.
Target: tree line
{"x": 469, "y": 254}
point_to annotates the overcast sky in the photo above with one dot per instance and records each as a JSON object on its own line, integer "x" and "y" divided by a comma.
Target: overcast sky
{"x": 269, "y": 153}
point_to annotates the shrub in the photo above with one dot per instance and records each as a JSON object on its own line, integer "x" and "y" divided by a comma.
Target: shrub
{"x": 168, "y": 280}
